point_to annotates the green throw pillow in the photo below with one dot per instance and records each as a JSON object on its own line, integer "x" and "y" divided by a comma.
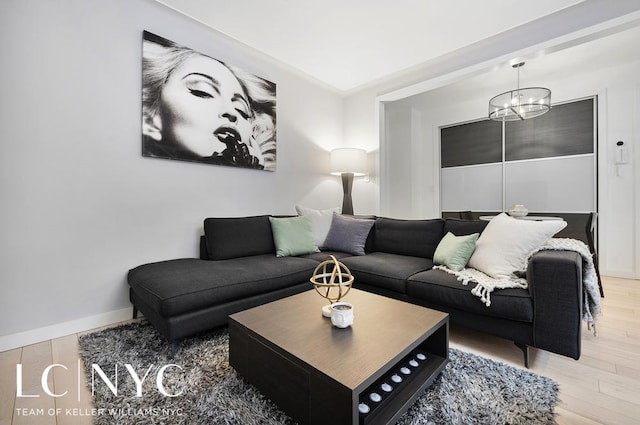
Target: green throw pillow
{"x": 455, "y": 251}
{"x": 293, "y": 236}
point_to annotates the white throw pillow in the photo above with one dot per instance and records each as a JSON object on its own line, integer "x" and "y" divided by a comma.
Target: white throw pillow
{"x": 506, "y": 242}
{"x": 321, "y": 221}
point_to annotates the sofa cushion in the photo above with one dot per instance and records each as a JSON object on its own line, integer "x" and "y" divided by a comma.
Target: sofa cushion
{"x": 321, "y": 221}
{"x": 293, "y": 236}
{"x": 227, "y": 237}
{"x": 324, "y": 255}
{"x": 461, "y": 227}
{"x": 368, "y": 245}
{"x": 506, "y": 243}
{"x": 389, "y": 271}
{"x": 178, "y": 286}
{"x": 348, "y": 234}
{"x": 415, "y": 238}
{"x": 455, "y": 251}
{"x": 441, "y": 288}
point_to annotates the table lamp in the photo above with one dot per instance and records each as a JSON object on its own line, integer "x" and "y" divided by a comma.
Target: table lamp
{"x": 348, "y": 163}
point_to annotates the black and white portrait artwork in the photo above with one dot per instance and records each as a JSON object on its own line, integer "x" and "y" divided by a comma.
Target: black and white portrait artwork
{"x": 200, "y": 109}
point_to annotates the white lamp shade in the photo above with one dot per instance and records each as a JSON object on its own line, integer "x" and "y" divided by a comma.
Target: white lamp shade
{"x": 349, "y": 160}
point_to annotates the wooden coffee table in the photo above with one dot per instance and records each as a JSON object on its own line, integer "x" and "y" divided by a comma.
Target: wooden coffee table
{"x": 319, "y": 374}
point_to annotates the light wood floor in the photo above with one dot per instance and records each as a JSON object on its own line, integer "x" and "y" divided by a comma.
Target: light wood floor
{"x": 603, "y": 387}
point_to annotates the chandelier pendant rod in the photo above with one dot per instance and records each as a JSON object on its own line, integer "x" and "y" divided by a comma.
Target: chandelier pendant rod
{"x": 516, "y": 107}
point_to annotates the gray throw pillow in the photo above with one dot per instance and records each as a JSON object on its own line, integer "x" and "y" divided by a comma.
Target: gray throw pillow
{"x": 347, "y": 234}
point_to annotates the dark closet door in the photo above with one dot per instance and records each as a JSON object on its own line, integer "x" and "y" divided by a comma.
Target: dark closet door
{"x": 549, "y": 162}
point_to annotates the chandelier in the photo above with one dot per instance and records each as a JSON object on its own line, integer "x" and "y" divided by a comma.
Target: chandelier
{"x": 521, "y": 103}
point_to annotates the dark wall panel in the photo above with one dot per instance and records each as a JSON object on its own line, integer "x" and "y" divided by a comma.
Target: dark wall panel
{"x": 567, "y": 129}
{"x": 473, "y": 143}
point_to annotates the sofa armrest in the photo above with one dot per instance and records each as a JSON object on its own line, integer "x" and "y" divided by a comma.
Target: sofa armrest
{"x": 555, "y": 282}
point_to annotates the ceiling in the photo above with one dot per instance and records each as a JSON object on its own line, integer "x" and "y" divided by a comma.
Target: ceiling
{"x": 348, "y": 44}
{"x": 610, "y": 51}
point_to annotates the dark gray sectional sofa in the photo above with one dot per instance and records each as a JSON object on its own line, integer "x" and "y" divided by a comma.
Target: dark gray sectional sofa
{"x": 238, "y": 269}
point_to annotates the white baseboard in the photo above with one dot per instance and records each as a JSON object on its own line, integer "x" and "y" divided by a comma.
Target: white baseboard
{"x": 622, "y": 274}
{"x": 9, "y": 342}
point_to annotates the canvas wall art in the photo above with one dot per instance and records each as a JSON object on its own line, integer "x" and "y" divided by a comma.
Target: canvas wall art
{"x": 197, "y": 108}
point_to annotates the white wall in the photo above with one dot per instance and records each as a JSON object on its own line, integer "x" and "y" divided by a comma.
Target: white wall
{"x": 361, "y": 132}
{"x": 618, "y": 88}
{"x": 80, "y": 205}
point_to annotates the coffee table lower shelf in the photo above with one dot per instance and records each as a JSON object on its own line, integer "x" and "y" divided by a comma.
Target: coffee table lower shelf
{"x": 311, "y": 397}
{"x": 397, "y": 398}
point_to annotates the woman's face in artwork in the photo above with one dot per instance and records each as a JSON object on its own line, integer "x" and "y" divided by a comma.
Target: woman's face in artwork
{"x": 203, "y": 107}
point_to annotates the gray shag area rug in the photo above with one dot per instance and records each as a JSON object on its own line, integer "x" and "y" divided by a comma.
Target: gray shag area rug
{"x": 204, "y": 389}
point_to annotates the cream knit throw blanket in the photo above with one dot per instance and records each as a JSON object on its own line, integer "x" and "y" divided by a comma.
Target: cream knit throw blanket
{"x": 486, "y": 284}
